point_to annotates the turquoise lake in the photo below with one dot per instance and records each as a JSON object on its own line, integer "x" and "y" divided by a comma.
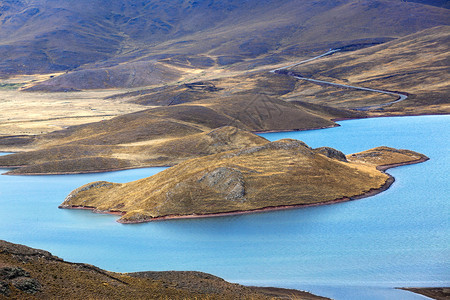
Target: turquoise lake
{"x": 354, "y": 250}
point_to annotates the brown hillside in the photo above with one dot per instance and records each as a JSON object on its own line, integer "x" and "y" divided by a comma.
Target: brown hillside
{"x": 76, "y": 158}
{"x": 131, "y": 75}
{"x": 253, "y": 83}
{"x": 27, "y": 273}
{"x": 167, "y": 135}
{"x": 101, "y": 36}
{"x": 438, "y": 293}
{"x": 282, "y": 173}
{"x": 416, "y": 64}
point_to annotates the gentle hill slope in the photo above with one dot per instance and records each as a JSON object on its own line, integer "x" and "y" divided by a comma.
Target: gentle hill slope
{"x": 76, "y": 158}
{"x": 27, "y": 273}
{"x": 165, "y": 136}
{"x": 276, "y": 174}
{"x": 416, "y": 64}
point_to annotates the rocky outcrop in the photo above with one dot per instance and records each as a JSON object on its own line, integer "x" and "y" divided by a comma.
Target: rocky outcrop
{"x": 284, "y": 144}
{"x": 19, "y": 279}
{"x": 227, "y": 181}
{"x": 331, "y": 153}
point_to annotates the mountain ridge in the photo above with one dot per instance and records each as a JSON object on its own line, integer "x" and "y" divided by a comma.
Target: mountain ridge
{"x": 46, "y": 36}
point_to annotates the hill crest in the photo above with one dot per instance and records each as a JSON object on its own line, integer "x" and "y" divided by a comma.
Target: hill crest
{"x": 76, "y": 36}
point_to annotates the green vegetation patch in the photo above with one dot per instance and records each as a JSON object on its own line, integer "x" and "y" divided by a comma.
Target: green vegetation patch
{"x": 11, "y": 86}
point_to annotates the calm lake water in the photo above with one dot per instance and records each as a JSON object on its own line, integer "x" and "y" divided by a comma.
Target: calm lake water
{"x": 353, "y": 250}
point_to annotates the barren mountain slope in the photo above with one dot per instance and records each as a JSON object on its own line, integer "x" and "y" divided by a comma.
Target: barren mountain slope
{"x": 27, "y": 273}
{"x": 416, "y": 64}
{"x": 94, "y": 37}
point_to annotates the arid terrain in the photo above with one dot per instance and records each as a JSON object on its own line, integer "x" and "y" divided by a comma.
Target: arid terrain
{"x": 99, "y": 85}
{"x": 163, "y": 136}
{"x": 416, "y": 64}
{"x": 438, "y": 293}
{"x": 37, "y": 113}
{"x": 27, "y": 273}
{"x": 138, "y": 57}
{"x": 277, "y": 174}
{"x": 123, "y": 44}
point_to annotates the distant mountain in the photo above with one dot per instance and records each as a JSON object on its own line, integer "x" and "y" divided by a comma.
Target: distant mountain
{"x": 438, "y": 3}
{"x": 103, "y": 38}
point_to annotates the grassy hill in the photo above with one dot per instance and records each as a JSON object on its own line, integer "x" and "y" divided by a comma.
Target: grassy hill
{"x": 27, "y": 273}
{"x": 416, "y": 64}
{"x": 208, "y": 45}
{"x": 79, "y": 158}
{"x": 129, "y": 44}
{"x": 276, "y": 174}
{"x": 261, "y": 82}
{"x": 164, "y": 136}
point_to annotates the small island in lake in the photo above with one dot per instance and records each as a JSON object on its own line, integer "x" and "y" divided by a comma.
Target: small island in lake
{"x": 282, "y": 174}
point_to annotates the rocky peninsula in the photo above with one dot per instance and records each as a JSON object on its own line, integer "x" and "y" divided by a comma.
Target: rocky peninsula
{"x": 282, "y": 174}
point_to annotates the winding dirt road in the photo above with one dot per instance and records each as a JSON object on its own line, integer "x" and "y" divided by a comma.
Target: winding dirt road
{"x": 283, "y": 70}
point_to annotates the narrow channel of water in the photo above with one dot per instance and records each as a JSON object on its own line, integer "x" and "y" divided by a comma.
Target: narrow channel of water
{"x": 353, "y": 250}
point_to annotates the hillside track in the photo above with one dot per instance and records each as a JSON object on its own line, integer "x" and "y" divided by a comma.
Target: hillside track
{"x": 283, "y": 70}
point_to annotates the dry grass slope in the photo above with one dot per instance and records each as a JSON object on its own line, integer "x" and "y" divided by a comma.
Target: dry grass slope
{"x": 27, "y": 273}
{"x": 166, "y": 135}
{"x": 416, "y": 64}
{"x": 282, "y": 173}
{"x": 162, "y": 151}
{"x": 438, "y": 293}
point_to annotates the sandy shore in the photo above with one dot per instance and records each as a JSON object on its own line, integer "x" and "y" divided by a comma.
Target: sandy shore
{"x": 369, "y": 193}
{"x": 17, "y": 168}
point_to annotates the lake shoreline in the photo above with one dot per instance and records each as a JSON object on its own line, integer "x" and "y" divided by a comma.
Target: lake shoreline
{"x": 371, "y": 192}
{"x": 416, "y": 194}
{"x": 393, "y": 116}
{"x": 432, "y": 292}
{"x": 77, "y": 173}
{"x": 168, "y": 166}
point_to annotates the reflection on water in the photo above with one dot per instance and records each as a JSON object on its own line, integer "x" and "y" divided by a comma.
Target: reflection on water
{"x": 398, "y": 238}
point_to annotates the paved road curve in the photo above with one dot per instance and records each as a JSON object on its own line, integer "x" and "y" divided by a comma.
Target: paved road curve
{"x": 305, "y": 61}
{"x": 400, "y": 96}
